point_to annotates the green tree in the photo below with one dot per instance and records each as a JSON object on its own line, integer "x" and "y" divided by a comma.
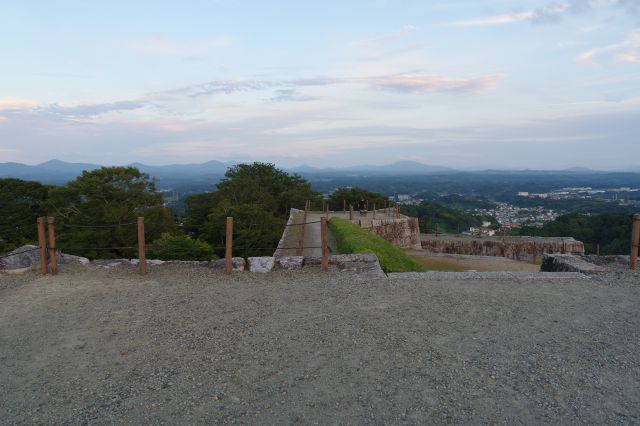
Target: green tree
{"x": 21, "y": 202}
{"x": 197, "y": 208}
{"x": 612, "y": 231}
{"x": 446, "y": 219}
{"x": 99, "y": 209}
{"x": 264, "y": 185}
{"x": 256, "y": 231}
{"x": 352, "y": 196}
{"x": 258, "y": 196}
{"x": 179, "y": 247}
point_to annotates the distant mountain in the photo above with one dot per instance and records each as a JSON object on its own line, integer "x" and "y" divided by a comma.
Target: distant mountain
{"x": 209, "y": 173}
{"x": 398, "y": 168}
{"x": 60, "y": 172}
{"x": 52, "y": 171}
{"x": 183, "y": 170}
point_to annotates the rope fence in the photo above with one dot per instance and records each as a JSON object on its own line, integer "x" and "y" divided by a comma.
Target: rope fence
{"x": 50, "y": 262}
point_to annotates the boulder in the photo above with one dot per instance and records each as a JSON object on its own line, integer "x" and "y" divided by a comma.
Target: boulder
{"x": 238, "y": 264}
{"x": 569, "y": 263}
{"x": 69, "y": 258}
{"x": 112, "y": 263}
{"x": 26, "y": 256}
{"x": 261, "y": 264}
{"x": 290, "y": 263}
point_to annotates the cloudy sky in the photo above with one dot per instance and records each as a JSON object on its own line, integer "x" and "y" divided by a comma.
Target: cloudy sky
{"x": 469, "y": 84}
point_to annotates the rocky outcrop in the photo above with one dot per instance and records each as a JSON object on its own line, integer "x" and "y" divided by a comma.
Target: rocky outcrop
{"x": 569, "y": 263}
{"x": 518, "y": 248}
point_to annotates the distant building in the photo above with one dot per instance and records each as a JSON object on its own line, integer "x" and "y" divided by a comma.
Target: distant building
{"x": 523, "y": 194}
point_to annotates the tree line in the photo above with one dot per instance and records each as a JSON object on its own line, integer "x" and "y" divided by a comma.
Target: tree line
{"x": 96, "y": 213}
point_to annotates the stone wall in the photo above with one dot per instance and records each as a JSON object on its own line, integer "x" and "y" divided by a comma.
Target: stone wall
{"x": 519, "y": 248}
{"x": 403, "y": 232}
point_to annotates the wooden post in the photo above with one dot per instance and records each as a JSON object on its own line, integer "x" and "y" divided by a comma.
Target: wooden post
{"x": 350, "y": 211}
{"x": 635, "y": 241}
{"x": 374, "y": 210}
{"x": 42, "y": 243}
{"x": 142, "y": 256}
{"x": 344, "y": 206}
{"x": 325, "y": 244}
{"x": 598, "y": 249}
{"x": 53, "y": 261}
{"x": 228, "y": 242}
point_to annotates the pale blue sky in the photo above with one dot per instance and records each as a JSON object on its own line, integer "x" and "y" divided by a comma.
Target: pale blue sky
{"x": 460, "y": 83}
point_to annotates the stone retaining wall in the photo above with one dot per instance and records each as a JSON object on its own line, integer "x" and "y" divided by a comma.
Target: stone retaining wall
{"x": 518, "y": 248}
{"x": 403, "y": 232}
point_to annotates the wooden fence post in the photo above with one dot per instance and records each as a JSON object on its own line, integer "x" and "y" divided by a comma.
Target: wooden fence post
{"x": 42, "y": 243}
{"x": 374, "y": 210}
{"x": 228, "y": 242}
{"x": 53, "y": 261}
{"x": 325, "y": 244}
{"x": 350, "y": 211}
{"x": 344, "y": 206}
{"x": 635, "y": 241}
{"x": 142, "y": 256}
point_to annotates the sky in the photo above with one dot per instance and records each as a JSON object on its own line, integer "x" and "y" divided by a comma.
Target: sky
{"x": 468, "y": 84}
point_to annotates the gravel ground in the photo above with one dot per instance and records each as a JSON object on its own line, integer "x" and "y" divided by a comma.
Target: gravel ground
{"x": 187, "y": 345}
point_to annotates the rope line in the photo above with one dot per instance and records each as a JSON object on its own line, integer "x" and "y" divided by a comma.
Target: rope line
{"x": 64, "y": 225}
{"x": 95, "y": 248}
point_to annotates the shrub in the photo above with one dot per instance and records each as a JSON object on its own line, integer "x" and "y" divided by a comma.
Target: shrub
{"x": 179, "y": 247}
{"x": 353, "y": 239}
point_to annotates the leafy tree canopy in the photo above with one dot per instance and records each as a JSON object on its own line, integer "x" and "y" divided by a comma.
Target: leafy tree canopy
{"x": 179, "y": 247}
{"x": 611, "y": 230}
{"x": 256, "y": 231}
{"x": 266, "y": 186}
{"x": 21, "y": 202}
{"x": 447, "y": 220}
{"x": 99, "y": 209}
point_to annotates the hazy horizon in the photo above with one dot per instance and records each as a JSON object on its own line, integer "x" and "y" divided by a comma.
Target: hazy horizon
{"x": 469, "y": 85}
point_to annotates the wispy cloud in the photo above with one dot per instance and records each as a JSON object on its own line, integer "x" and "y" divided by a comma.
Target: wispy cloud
{"x": 425, "y": 83}
{"x": 626, "y": 51}
{"x": 23, "y": 106}
{"x": 92, "y": 110}
{"x": 434, "y": 83}
{"x": 16, "y": 103}
{"x": 290, "y": 95}
{"x": 551, "y": 12}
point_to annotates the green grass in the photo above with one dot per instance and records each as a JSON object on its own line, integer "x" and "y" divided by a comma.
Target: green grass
{"x": 353, "y": 239}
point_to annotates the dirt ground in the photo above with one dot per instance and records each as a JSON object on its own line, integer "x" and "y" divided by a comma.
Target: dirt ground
{"x": 446, "y": 262}
{"x": 187, "y": 345}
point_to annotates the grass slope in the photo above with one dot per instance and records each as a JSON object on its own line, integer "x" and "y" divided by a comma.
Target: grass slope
{"x": 353, "y": 239}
